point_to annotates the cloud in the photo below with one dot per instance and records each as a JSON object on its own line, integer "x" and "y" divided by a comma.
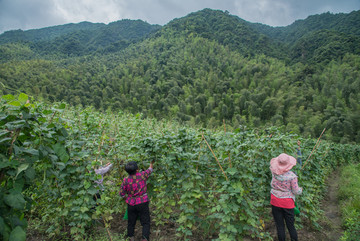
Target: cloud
{"x": 25, "y": 14}
{"x": 265, "y": 11}
{"x": 90, "y": 10}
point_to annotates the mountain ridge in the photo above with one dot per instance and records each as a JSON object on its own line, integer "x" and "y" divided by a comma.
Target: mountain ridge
{"x": 202, "y": 69}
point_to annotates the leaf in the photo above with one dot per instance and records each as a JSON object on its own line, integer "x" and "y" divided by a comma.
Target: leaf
{"x": 4, "y": 161}
{"x": 60, "y": 151}
{"x": 8, "y": 97}
{"x": 15, "y": 124}
{"x": 15, "y": 103}
{"x": 62, "y": 106}
{"x": 87, "y": 184}
{"x": 18, "y": 234}
{"x": 30, "y": 173}
{"x": 47, "y": 112}
{"x": 232, "y": 171}
{"x": 4, "y": 140}
{"x": 23, "y": 98}
{"x": 21, "y": 168}
{"x": 33, "y": 152}
{"x": 15, "y": 200}
{"x": 4, "y": 133}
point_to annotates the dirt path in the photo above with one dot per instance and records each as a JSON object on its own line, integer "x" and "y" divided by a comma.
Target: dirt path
{"x": 331, "y": 222}
{"x": 330, "y": 205}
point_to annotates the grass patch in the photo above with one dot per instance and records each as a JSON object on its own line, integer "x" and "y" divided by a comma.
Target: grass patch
{"x": 349, "y": 196}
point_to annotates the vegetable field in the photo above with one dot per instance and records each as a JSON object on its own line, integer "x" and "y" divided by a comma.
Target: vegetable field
{"x": 212, "y": 183}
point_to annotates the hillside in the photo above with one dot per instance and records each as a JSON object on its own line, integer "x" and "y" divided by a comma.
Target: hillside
{"x": 343, "y": 23}
{"x": 336, "y": 34}
{"x": 202, "y": 69}
{"x": 77, "y": 39}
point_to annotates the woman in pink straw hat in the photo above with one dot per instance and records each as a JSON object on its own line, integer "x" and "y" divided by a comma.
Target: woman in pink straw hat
{"x": 284, "y": 187}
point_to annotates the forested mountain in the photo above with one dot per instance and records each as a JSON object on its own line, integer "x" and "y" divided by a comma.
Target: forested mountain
{"x": 201, "y": 69}
{"x": 319, "y": 37}
{"x": 341, "y": 22}
{"x": 227, "y": 30}
{"x": 75, "y": 39}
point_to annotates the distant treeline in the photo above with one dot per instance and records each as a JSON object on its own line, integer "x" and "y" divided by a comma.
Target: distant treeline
{"x": 201, "y": 69}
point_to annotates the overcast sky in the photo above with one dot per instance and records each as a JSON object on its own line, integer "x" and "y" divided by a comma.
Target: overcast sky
{"x": 31, "y": 14}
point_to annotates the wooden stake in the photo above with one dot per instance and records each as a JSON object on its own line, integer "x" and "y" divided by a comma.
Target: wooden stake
{"x": 313, "y": 148}
{"x": 215, "y": 158}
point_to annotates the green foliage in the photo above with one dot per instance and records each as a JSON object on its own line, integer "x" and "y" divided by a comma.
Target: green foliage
{"x": 188, "y": 188}
{"x": 349, "y": 189}
{"x": 35, "y": 154}
{"x": 21, "y": 130}
{"x": 77, "y": 39}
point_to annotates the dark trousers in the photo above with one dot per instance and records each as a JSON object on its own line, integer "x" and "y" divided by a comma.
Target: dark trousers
{"x": 142, "y": 211}
{"x": 281, "y": 214}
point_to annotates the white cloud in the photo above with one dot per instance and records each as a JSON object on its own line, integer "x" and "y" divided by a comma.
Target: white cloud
{"x": 270, "y": 12}
{"x": 104, "y": 11}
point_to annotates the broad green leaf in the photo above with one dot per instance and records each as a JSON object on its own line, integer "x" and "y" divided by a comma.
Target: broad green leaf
{"x": 23, "y": 98}
{"x": 30, "y": 173}
{"x": 4, "y": 140}
{"x": 15, "y": 200}
{"x": 47, "y": 112}
{"x": 62, "y": 106}
{"x": 232, "y": 171}
{"x": 84, "y": 209}
{"x": 87, "y": 184}
{"x": 4, "y": 161}
{"x": 60, "y": 150}
{"x": 33, "y": 152}
{"x": 8, "y": 97}
{"x": 15, "y": 103}
{"x": 15, "y": 124}
{"x": 18, "y": 234}
{"x": 21, "y": 168}
{"x": 4, "y": 132}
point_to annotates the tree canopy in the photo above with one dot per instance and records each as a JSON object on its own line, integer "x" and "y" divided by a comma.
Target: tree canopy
{"x": 202, "y": 69}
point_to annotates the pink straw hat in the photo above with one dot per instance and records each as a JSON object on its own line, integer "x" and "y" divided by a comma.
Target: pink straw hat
{"x": 281, "y": 164}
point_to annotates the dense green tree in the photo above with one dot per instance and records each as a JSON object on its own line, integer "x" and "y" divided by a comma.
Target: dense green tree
{"x": 202, "y": 69}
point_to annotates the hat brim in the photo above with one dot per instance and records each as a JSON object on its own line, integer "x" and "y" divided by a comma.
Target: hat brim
{"x": 280, "y": 168}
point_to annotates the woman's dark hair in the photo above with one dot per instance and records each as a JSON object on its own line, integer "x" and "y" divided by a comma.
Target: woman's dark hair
{"x": 131, "y": 167}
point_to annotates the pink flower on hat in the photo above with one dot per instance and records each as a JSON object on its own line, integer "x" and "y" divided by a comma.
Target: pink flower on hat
{"x": 282, "y": 163}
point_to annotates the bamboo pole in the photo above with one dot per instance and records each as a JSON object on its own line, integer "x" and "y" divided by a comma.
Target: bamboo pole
{"x": 215, "y": 158}
{"x": 313, "y": 148}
